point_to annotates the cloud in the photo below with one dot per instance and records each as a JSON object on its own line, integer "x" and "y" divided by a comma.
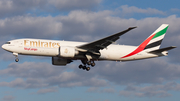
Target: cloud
{"x": 151, "y": 91}
{"x": 99, "y": 90}
{"x": 150, "y": 71}
{"x": 31, "y": 69}
{"x": 92, "y": 89}
{"x": 48, "y": 90}
{"x": 11, "y": 7}
{"x": 108, "y": 90}
{"x": 8, "y": 98}
{"x": 34, "y": 75}
{"x": 84, "y": 25}
{"x": 31, "y": 75}
{"x": 37, "y": 75}
{"x": 74, "y": 4}
{"x": 26, "y": 26}
{"x": 19, "y": 83}
{"x": 20, "y": 7}
{"x": 175, "y": 10}
{"x": 132, "y": 9}
{"x": 24, "y": 84}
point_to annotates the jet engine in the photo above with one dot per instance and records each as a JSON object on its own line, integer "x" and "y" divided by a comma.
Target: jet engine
{"x": 67, "y": 52}
{"x": 60, "y": 61}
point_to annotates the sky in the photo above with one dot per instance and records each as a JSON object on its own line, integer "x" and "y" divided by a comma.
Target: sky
{"x": 34, "y": 78}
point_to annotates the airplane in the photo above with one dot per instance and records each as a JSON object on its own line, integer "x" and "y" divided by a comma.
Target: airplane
{"x": 64, "y": 52}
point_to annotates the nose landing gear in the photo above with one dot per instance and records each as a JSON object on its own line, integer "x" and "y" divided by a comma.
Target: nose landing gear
{"x": 16, "y": 55}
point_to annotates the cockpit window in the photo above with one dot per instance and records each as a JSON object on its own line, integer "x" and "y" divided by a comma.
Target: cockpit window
{"x": 8, "y": 43}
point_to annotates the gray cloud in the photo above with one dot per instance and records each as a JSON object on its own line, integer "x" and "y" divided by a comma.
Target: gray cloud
{"x": 19, "y": 83}
{"x": 11, "y": 7}
{"x": 26, "y": 26}
{"x": 74, "y": 4}
{"x": 20, "y": 7}
{"x": 132, "y": 9}
{"x": 44, "y": 75}
{"x": 31, "y": 69}
{"x": 150, "y": 91}
{"x": 99, "y": 90}
{"x": 48, "y": 90}
{"x": 85, "y": 26}
{"x": 151, "y": 71}
{"x": 8, "y": 98}
{"x": 35, "y": 75}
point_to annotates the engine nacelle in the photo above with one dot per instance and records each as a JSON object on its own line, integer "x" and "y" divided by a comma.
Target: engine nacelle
{"x": 67, "y": 52}
{"x": 60, "y": 61}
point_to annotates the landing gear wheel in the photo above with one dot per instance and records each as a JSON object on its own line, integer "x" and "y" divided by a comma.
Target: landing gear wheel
{"x": 84, "y": 67}
{"x": 88, "y": 68}
{"x": 89, "y": 62}
{"x": 93, "y": 64}
{"x": 80, "y": 66}
{"x": 16, "y": 59}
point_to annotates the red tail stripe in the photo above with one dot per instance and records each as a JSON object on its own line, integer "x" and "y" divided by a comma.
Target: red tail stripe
{"x": 141, "y": 47}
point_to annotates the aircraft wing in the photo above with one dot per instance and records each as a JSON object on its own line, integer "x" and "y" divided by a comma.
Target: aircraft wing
{"x": 102, "y": 43}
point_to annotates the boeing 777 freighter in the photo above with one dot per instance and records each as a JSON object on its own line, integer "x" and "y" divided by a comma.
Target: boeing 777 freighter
{"x": 64, "y": 52}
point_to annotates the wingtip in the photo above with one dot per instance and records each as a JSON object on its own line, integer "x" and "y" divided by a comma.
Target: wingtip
{"x": 174, "y": 46}
{"x": 132, "y": 27}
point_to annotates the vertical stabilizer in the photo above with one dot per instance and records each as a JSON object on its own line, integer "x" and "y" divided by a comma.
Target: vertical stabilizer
{"x": 156, "y": 38}
{"x": 153, "y": 42}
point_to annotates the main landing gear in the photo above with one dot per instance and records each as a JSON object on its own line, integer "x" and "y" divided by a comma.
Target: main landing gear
{"x": 85, "y": 63}
{"x": 16, "y": 55}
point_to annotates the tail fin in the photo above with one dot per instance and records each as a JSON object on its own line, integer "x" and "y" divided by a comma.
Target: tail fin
{"x": 153, "y": 42}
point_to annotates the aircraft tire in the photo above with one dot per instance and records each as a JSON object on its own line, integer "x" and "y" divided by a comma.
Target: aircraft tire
{"x": 16, "y": 59}
{"x": 93, "y": 64}
{"x": 80, "y": 66}
{"x": 88, "y": 68}
{"x": 84, "y": 67}
{"x": 89, "y": 62}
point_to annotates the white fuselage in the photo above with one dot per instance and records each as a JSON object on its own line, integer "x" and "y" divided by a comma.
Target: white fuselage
{"x": 39, "y": 47}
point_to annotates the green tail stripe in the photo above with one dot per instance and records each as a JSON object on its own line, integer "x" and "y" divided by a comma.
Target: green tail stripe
{"x": 160, "y": 33}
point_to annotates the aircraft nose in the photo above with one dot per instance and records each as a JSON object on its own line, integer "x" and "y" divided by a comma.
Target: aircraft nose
{"x": 3, "y": 46}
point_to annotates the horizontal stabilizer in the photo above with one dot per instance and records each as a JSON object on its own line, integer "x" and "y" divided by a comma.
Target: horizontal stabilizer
{"x": 162, "y": 49}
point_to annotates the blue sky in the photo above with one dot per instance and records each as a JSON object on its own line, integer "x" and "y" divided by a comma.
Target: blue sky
{"x": 35, "y": 79}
